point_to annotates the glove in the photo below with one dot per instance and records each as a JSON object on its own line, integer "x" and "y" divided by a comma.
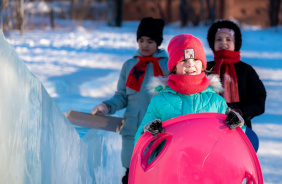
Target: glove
{"x": 154, "y": 127}
{"x": 103, "y": 108}
{"x": 234, "y": 119}
{"x": 237, "y": 110}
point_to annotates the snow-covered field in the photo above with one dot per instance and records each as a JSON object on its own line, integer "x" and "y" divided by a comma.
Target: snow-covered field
{"x": 80, "y": 68}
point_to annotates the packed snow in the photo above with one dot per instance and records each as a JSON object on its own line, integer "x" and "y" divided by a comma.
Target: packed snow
{"x": 79, "y": 67}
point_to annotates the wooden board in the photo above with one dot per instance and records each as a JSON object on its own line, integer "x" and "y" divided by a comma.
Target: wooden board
{"x": 99, "y": 121}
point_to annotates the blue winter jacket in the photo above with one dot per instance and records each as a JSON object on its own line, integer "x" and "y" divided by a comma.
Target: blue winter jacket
{"x": 136, "y": 103}
{"x": 169, "y": 104}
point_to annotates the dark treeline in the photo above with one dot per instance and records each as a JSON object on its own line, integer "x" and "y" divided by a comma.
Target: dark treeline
{"x": 25, "y": 14}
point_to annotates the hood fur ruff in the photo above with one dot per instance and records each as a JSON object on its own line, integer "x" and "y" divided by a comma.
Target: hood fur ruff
{"x": 161, "y": 83}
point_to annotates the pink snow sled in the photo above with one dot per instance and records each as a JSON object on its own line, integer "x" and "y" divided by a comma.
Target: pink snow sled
{"x": 195, "y": 148}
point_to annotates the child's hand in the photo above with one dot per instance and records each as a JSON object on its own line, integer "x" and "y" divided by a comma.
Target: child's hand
{"x": 100, "y": 108}
{"x": 234, "y": 119}
{"x": 154, "y": 127}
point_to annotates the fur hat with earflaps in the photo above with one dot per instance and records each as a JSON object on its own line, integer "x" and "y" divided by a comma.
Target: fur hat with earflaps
{"x": 228, "y": 27}
{"x": 153, "y": 28}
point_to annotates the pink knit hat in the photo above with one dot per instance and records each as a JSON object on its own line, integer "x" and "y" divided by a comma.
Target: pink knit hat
{"x": 185, "y": 46}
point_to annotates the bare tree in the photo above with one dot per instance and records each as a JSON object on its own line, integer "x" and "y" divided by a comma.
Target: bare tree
{"x": 21, "y": 21}
{"x": 52, "y": 17}
{"x": 183, "y": 13}
{"x": 119, "y": 13}
{"x": 80, "y": 10}
{"x": 168, "y": 10}
{"x": 1, "y": 20}
{"x": 115, "y": 12}
{"x": 72, "y": 9}
{"x": 12, "y": 15}
{"x": 274, "y": 7}
{"x": 192, "y": 14}
{"x": 221, "y": 9}
{"x": 6, "y": 16}
{"x": 157, "y": 3}
{"x": 211, "y": 10}
{"x": 187, "y": 13}
{"x": 203, "y": 11}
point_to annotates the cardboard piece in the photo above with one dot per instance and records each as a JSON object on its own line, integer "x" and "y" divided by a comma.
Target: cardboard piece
{"x": 99, "y": 121}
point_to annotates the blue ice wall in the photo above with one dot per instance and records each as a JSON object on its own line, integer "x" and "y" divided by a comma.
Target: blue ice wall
{"x": 37, "y": 142}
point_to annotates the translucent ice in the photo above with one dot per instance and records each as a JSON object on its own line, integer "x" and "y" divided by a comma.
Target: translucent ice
{"x": 37, "y": 142}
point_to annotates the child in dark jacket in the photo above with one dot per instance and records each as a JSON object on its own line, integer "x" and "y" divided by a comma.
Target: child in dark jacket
{"x": 243, "y": 90}
{"x": 131, "y": 92}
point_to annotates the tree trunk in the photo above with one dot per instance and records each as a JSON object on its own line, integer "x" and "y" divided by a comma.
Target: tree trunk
{"x": 21, "y": 16}
{"x": 52, "y": 17}
{"x": 192, "y": 14}
{"x": 183, "y": 13}
{"x": 162, "y": 14}
{"x": 111, "y": 12}
{"x": 119, "y": 13}
{"x": 203, "y": 12}
{"x": 274, "y": 7}
{"x": 168, "y": 11}
{"x": 72, "y": 9}
{"x": 115, "y": 13}
{"x": 211, "y": 10}
{"x": 221, "y": 9}
{"x": 1, "y": 19}
{"x": 10, "y": 17}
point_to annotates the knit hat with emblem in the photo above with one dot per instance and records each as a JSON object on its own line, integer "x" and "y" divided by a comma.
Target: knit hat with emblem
{"x": 185, "y": 46}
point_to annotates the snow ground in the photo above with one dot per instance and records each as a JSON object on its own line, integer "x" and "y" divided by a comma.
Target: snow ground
{"x": 80, "y": 68}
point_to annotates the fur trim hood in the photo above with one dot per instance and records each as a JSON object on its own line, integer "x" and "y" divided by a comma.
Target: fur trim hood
{"x": 158, "y": 84}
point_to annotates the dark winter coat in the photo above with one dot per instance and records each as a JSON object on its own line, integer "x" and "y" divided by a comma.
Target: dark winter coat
{"x": 252, "y": 93}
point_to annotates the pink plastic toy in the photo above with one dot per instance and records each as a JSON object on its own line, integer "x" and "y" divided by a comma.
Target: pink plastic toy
{"x": 199, "y": 148}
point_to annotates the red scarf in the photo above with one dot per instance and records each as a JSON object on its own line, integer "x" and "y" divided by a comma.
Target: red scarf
{"x": 188, "y": 84}
{"x": 137, "y": 73}
{"x": 226, "y": 59}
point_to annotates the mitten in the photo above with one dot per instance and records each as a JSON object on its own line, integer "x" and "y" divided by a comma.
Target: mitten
{"x": 154, "y": 127}
{"x": 237, "y": 110}
{"x": 234, "y": 119}
{"x": 103, "y": 108}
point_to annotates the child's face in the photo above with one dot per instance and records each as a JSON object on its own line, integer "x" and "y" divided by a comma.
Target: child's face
{"x": 223, "y": 41}
{"x": 189, "y": 67}
{"x": 147, "y": 46}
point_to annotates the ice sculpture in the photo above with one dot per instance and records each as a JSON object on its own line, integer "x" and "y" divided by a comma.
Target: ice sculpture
{"x": 37, "y": 143}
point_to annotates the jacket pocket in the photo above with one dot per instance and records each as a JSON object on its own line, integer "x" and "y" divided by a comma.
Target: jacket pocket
{"x": 131, "y": 122}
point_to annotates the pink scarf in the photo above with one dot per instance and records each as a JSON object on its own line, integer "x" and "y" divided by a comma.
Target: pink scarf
{"x": 226, "y": 59}
{"x": 188, "y": 84}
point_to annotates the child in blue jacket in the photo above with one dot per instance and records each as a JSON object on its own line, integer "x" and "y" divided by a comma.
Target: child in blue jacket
{"x": 131, "y": 92}
{"x": 187, "y": 89}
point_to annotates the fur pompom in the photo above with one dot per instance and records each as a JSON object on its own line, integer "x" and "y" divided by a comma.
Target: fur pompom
{"x": 215, "y": 83}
